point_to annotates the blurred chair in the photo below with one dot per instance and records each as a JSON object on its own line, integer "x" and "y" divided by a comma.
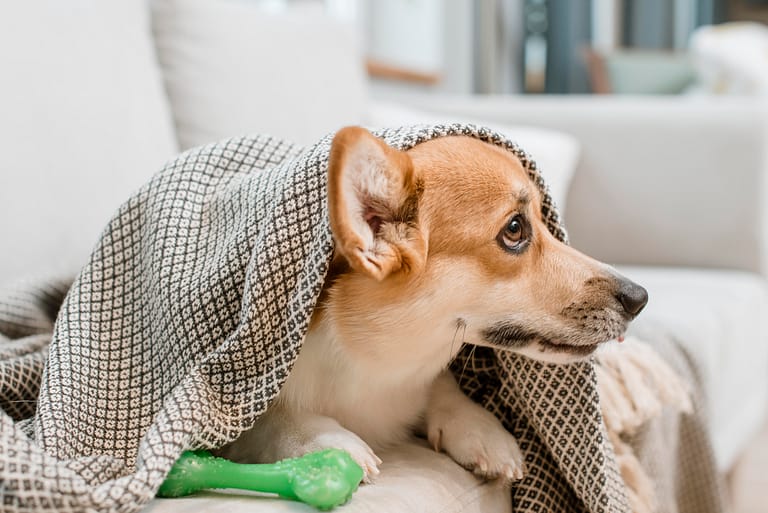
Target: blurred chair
{"x": 639, "y": 72}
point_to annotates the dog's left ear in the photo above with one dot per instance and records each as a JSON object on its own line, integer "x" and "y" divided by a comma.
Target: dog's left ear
{"x": 373, "y": 199}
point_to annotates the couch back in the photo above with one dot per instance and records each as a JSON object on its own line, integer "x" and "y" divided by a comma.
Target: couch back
{"x": 96, "y": 96}
{"x": 84, "y": 122}
{"x": 230, "y": 67}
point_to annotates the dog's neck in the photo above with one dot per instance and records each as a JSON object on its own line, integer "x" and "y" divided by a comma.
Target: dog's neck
{"x": 387, "y": 354}
{"x": 374, "y": 393}
{"x": 377, "y": 350}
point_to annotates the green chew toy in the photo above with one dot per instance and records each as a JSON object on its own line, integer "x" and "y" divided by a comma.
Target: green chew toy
{"x": 322, "y": 479}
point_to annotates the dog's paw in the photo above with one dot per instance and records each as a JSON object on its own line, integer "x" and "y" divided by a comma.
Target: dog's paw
{"x": 477, "y": 441}
{"x": 353, "y": 444}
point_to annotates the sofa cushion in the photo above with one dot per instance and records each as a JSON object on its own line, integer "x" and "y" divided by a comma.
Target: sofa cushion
{"x": 84, "y": 122}
{"x": 556, "y": 153}
{"x": 718, "y": 317}
{"x": 232, "y": 67}
{"x": 413, "y": 478}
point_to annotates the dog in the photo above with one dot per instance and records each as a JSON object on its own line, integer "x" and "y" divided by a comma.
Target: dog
{"x": 443, "y": 237}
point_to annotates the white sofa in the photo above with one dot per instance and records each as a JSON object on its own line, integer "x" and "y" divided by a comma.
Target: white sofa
{"x": 96, "y": 95}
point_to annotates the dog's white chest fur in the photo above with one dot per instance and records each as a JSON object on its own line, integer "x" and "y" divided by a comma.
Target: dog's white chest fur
{"x": 372, "y": 401}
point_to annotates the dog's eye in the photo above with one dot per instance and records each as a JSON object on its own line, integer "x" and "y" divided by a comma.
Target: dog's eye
{"x": 514, "y": 231}
{"x": 514, "y": 236}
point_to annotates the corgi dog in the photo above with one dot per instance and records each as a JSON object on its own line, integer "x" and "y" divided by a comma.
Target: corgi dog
{"x": 447, "y": 235}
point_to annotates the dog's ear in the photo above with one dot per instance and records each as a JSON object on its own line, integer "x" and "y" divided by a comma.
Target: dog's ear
{"x": 373, "y": 198}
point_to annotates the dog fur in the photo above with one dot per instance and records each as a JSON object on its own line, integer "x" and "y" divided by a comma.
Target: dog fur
{"x": 436, "y": 246}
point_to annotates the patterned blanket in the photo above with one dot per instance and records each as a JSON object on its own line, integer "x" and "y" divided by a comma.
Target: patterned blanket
{"x": 187, "y": 318}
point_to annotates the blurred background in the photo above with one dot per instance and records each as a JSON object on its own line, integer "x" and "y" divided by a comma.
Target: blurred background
{"x": 647, "y": 118}
{"x": 563, "y": 46}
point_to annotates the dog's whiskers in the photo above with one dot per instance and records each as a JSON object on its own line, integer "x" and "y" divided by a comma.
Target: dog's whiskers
{"x": 472, "y": 352}
{"x": 453, "y": 342}
{"x": 466, "y": 362}
{"x": 460, "y": 323}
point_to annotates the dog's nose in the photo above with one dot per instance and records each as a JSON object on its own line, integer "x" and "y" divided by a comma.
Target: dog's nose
{"x": 632, "y": 297}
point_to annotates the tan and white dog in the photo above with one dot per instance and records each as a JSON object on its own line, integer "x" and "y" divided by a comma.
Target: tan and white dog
{"x": 443, "y": 237}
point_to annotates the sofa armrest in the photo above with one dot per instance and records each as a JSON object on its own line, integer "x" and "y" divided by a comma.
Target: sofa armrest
{"x": 661, "y": 181}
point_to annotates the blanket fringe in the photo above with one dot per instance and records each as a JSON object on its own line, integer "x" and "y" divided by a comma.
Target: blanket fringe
{"x": 635, "y": 384}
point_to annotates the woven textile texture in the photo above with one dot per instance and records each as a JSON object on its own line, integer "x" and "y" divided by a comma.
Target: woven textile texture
{"x": 188, "y": 316}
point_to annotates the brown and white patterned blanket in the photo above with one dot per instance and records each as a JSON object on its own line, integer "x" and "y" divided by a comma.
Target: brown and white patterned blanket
{"x": 188, "y": 316}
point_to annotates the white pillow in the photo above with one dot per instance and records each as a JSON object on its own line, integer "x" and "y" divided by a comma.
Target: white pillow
{"x": 231, "y": 67}
{"x": 556, "y": 153}
{"x": 84, "y": 122}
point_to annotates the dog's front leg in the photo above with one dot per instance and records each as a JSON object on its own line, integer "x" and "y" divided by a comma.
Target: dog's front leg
{"x": 471, "y": 435}
{"x": 282, "y": 433}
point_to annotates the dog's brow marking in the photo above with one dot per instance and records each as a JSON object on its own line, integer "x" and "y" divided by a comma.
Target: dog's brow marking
{"x": 523, "y": 197}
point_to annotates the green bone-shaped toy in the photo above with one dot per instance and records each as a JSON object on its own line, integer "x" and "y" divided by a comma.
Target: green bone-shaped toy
{"x": 322, "y": 479}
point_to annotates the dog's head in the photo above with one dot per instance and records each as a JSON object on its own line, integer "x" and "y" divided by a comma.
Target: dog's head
{"x": 445, "y": 243}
